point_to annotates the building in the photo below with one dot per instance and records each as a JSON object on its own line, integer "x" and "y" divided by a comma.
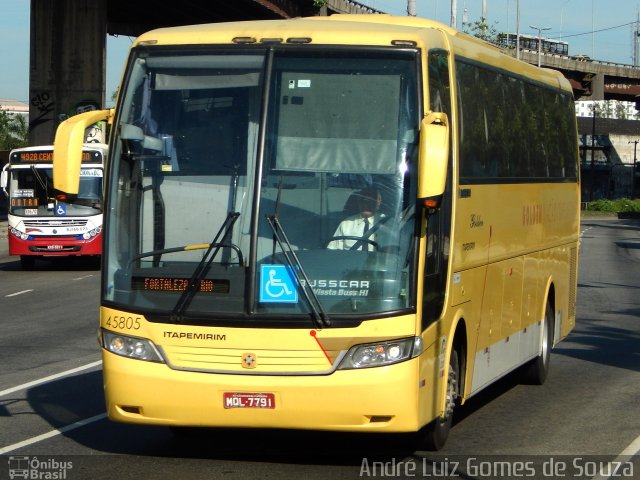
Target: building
{"x": 14, "y": 107}
{"x": 607, "y": 109}
{"x": 609, "y": 158}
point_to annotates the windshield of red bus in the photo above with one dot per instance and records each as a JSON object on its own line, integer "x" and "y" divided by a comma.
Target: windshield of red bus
{"x": 31, "y": 192}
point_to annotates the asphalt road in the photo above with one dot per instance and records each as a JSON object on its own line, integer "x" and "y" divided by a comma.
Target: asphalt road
{"x": 52, "y": 413}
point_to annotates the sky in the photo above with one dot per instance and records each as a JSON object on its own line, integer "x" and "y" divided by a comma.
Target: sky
{"x": 600, "y": 29}
{"x": 14, "y": 52}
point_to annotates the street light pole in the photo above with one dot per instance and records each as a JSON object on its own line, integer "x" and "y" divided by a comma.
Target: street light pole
{"x": 633, "y": 170}
{"x": 540, "y": 29}
{"x": 518, "y": 29}
{"x": 454, "y": 13}
{"x": 411, "y": 8}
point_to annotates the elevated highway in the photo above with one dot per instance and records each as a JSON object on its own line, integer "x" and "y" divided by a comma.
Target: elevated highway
{"x": 125, "y": 17}
{"x": 592, "y": 79}
{"x": 68, "y": 43}
{"x": 68, "y": 49}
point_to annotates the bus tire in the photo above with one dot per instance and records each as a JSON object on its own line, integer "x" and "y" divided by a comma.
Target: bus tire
{"x": 536, "y": 372}
{"x": 436, "y": 433}
{"x": 27, "y": 262}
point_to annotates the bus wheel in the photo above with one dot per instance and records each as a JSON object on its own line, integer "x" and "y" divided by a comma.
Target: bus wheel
{"x": 436, "y": 433}
{"x": 536, "y": 372}
{"x": 27, "y": 262}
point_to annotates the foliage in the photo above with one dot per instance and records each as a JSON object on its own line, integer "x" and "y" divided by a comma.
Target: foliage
{"x": 620, "y": 111}
{"x": 14, "y": 131}
{"x": 615, "y": 206}
{"x": 319, "y": 3}
{"x": 481, "y": 29}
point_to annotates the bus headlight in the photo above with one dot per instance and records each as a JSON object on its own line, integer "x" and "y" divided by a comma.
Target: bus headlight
{"x": 381, "y": 353}
{"x": 131, "y": 347}
{"x": 21, "y": 235}
{"x": 91, "y": 233}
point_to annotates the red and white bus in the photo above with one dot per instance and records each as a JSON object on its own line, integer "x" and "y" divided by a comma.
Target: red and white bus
{"x": 38, "y": 225}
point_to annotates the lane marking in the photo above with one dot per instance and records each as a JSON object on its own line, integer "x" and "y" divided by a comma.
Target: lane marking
{"x": 632, "y": 449}
{"x": 625, "y": 456}
{"x": 52, "y": 433}
{"x": 82, "y": 278}
{"x": 58, "y": 431}
{"x": 18, "y": 293}
{"x": 49, "y": 378}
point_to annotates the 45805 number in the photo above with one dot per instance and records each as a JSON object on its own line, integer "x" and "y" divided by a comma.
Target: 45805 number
{"x": 118, "y": 322}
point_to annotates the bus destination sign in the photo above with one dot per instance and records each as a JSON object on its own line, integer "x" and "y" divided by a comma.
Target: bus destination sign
{"x": 46, "y": 156}
{"x": 168, "y": 284}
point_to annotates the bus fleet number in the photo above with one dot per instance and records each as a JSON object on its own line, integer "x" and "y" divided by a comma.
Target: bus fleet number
{"x": 123, "y": 323}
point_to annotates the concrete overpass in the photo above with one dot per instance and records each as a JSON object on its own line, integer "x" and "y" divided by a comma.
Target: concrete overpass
{"x": 68, "y": 43}
{"x": 125, "y": 17}
{"x": 592, "y": 79}
{"x": 68, "y": 49}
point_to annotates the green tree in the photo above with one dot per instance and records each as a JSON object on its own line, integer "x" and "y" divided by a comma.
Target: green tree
{"x": 14, "y": 131}
{"x": 621, "y": 111}
{"x": 481, "y": 29}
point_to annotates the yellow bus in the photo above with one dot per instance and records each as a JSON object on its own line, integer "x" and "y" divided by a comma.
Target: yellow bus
{"x": 351, "y": 223}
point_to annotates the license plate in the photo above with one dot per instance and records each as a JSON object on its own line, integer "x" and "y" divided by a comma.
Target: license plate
{"x": 249, "y": 400}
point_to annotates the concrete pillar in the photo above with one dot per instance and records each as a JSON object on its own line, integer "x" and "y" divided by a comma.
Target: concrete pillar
{"x": 67, "y": 64}
{"x": 597, "y": 87}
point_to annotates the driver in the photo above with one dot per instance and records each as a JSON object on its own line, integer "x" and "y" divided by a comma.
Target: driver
{"x": 355, "y": 229}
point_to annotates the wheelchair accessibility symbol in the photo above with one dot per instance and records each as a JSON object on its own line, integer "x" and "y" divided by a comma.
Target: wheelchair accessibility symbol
{"x": 277, "y": 284}
{"x": 61, "y": 210}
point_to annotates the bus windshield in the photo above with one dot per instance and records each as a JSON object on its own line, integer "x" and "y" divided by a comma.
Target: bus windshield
{"x": 32, "y": 192}
{"x": 247, "y": 184}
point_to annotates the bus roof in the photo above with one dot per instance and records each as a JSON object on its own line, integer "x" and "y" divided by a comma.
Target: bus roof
{"x": 363, "y": 29}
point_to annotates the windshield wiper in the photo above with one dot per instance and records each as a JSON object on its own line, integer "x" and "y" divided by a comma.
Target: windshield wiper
{"x": 43, "y": 183}
{"x": 185, "y": 248}
{"x": 202, "y": 268}
{"x": 318, "y": 313}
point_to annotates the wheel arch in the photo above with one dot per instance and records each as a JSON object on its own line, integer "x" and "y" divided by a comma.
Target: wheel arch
{"x": 460, "y": 344}
{"x": 457, "y": 338}
{"x": 550, "y": 299}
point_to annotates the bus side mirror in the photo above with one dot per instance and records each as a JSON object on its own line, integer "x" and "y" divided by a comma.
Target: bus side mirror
{"x": 4, "y": 180}
{"x": 67, "y": 152}
{"x": 434, "y": 158}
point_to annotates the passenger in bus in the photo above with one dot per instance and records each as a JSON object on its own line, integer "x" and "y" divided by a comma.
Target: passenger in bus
{"x": 358, "y": 231}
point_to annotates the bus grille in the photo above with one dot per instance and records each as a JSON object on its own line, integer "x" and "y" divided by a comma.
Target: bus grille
{"x": 67, "y": 222}
{"x": 232, "y": 360}
{"x": 58, "y": 249}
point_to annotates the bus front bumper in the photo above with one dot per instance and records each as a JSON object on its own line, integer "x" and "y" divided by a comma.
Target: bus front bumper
{"x": 383, "y": 399}
{"x": 55, "y": 246}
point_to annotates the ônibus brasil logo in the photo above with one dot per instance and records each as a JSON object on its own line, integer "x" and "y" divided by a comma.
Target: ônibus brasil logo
{"x": 40, "y": 469}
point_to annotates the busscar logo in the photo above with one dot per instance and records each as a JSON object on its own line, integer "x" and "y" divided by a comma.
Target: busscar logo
{"x": 35, "y": 468}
